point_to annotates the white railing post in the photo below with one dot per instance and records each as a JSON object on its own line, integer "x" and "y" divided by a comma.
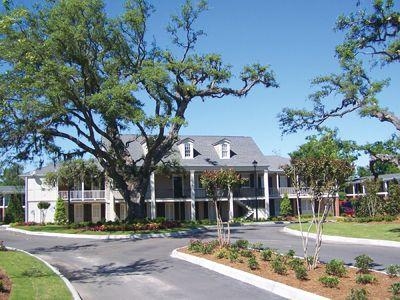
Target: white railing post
{"x": 152, "y": 196}
{"x": 192, "y": 197}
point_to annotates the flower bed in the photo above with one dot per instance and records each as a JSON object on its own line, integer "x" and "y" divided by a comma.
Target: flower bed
{"x": 330, "y": 280}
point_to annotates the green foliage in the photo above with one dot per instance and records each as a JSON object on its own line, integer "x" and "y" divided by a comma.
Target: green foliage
{"x": 329, "y": 281}
{"x": 252, "y": 263}
{"x": 301, "y": 272}
{"x": 60, "y": 213}
{"x": 33, "y": 272}
{"x": 295, "y": 263}
{"x": 357, "y": 294}
{"x": 246, "y": 253}
{"x": 2, "y": 246}
{"x": 222, "y": 253}
{"x": 257, "y": 246}
{"x": 242, "y": 244}
{"x": 393, "y": 270}
{"x": 369, "y": 205}
{"x": 43, "y": 205}
{"x": 395, "y": 289}
{"x": 2, "y": 287}
{"x": 336, "y": 268}
{"x": 14, "y": 211}
{"x": 291, "y": 253}
{"x": 286, "y": 207}
{"x": 363, "y": 263}
{"x": 10, "y": 175}
{"x": 278, "y": 265}
{"x": 365, "y": 278}
{"x": 266, "y": 254}
{"x": 233, "y": 254}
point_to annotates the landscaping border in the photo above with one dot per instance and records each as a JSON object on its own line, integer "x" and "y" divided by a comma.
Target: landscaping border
{"x": 349, "y": 240}
{"x": 71, "y": 288}
{"x": 140, "y": 236}
{"x": 257, "y": 281}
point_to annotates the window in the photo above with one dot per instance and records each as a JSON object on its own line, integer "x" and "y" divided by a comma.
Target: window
{"x": 187, "y": 150}
{"x": 224, "y": 150}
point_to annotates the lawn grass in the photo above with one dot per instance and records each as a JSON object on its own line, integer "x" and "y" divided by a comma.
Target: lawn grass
{"x": 31, "y": 278}
{"x": 380, "y": 231}
{"x": 64, "y": 229}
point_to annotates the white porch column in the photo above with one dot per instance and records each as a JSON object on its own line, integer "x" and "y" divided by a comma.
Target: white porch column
{"x": 152, "y": 196}
{"x": 192, "y": 197}
{"x": 354, "y": 190}
{"x": 83, "y": 189}
{"x": 277, "y": 182}
{"x": 266, "y": 192}
{"x": 363, "y": 189}
{"x": 385, "y": 186}
{"x": 110, "y": 201}
{"x": 230, "y": 206}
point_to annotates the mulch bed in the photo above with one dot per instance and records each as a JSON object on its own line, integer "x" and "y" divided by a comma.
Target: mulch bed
{"x": 5, "y": 293}
{"x": 378, "y": 290}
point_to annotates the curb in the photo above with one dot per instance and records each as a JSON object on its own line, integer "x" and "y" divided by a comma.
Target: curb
{"x": 74, "y": 292}
{"x": 348, "y": 240}
{"x": 110, "y": 236}
{"x": 254, "y": 280}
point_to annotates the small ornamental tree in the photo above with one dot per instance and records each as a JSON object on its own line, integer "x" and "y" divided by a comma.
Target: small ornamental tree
{"x": 14, "y": 211}
{"x": 286, "y": 207}
{"x": 43, "y": 207}
{"x": 369, "y": 205}
{"x": 60, "y": 214}
{"x": 215, "y": 184}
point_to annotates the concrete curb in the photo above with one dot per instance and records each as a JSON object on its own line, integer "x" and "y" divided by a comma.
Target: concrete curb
{"x": 348, "y": 240}
{"x": 74, "y": 292}
{"x": 110, "y": 236}
{"x": 257, "y": 281}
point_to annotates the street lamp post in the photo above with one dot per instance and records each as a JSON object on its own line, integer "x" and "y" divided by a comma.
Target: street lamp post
{"x": 255, "y": 186}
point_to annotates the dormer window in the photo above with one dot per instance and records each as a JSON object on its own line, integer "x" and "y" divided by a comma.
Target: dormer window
{"x": 223, "y": 148}
{"x": 224, "y": 153}
{"x": 187, "y": 150}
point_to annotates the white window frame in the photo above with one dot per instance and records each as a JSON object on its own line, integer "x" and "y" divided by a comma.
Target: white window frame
{"x": 224, "y": 150}
{"x": 187, "y": 150}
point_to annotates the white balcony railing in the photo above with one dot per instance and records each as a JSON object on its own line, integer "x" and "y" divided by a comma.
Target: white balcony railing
{"x": 85, "y": 196}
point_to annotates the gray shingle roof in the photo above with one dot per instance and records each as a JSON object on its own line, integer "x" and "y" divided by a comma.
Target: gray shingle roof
{"x": 276, "y": 162}
{"x": 9, "y": 189}
{"x": 384, "y": 177}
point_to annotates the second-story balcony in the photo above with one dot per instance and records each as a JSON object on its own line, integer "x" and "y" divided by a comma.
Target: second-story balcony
{"x": 290, "y": 191}
{"x": 86, "y": 195}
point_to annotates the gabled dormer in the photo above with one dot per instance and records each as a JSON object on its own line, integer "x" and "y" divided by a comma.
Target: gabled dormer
{"x": 223, "y": 148}
{"x": 185, "y": 147}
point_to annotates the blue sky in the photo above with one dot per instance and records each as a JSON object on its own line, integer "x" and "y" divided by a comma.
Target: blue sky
{"x": 296, "y": 38}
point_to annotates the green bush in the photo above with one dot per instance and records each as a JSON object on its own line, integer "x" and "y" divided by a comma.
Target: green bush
{"x": 15, "y": 211}
{"x": 2, "y": 288}
{"x": 202, "y": 247}
{"x": 357, "y": 294}
{"x": 393, "y": 270}
{"x": 301, "y": 272}
{"x": 257, "y": 246}
{"x": 242, "y": 244}
{"x": 222, "y": 253}
{"x": 60, "y": 213}
{"x": 233, "y": 255}
{"x": 336, "y": 268}
{"x": 363, "y": 263}
{"x": 246, "y": 253}
{"x": 291, "y": 253}
{"x": 253, "y": 263}
{"x": 2, "y": 247}
{"x": 286, "y": 207}
{"x": 295, "y": 263}
{"x": 278, "y": 265}
{"x": 266, "y": 254}
{"x": 329, "y": 281}
{"x": 365, "y": 278}
{"x": 395, "y": 289}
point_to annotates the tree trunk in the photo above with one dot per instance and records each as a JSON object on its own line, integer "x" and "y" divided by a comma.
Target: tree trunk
{"x": 135, "y": 199}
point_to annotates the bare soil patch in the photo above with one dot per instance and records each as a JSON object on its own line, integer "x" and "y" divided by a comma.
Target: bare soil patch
{"x": 5, "y": 292}
{"x": 377, "y": 290}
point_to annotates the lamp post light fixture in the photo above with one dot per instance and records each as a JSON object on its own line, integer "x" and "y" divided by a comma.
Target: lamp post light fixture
{"x": 255, "y": 186}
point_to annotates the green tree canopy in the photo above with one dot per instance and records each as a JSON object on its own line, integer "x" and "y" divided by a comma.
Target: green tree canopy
{"x": 74, "y": 74}
{"x": 371, "y": 40}
{"x": 10, "y": 175}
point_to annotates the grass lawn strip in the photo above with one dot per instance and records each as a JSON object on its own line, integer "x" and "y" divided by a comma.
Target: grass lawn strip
{"x": 31, "y": 278}
{"x": 378, "y": 231}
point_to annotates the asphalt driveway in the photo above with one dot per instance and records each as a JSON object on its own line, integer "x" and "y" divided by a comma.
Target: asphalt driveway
{"x": 143, "y": 269}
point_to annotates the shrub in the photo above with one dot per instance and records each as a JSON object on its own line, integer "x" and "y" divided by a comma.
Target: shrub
{"x": 222, "y": 253}
{"x": 253, "y": 263}
{"x": 365, "y": 278}
{"x": 195, "y": 246}
{"x": 286, "y": 207}
{"x": 395, "y": 289}
{"x": 242, "y": 244}
{"x": 363, "y": 263}
{"x": 15, "y": 211}
{"x": 295, "y": 263}
{"x": 60, "y": 213}
{"x": 291, "y": 253}
{"x": 278, "y": 266}
{"x": 2, "y": 288}
{"x": 329, "y": 281}
{"x": 393, "y": 270}
{"x": 266, "y": 254}
{"x": 300, "y": 272}
{"x": 246, "y": 253}
{"x": 2, "y": 247}
{"x": 257, "y": 246}
{"x": 233, "y": 255}
{"x": 209, "y": 247}
{"x": 357, "y": 294}
{"x": 336, "y": 268}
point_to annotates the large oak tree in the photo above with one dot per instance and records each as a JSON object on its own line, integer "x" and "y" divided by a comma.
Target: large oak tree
{"x": 372, "y": 39}
{"x": 72, "y": 73}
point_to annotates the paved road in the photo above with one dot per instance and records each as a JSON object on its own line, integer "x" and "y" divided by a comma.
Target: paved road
{"x": 143, "y": 269}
